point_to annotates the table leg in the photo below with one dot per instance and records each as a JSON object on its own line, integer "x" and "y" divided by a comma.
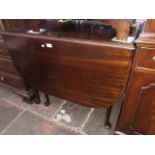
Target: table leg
{"x": 37, "y": 97}
{"x": 107, "y": 120}
{"x": 47, "y": 102}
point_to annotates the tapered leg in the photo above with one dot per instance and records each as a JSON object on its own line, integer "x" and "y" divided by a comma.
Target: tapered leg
{"x": 37, "y": 97}
{"x": 107, "y": 120}
{"x": 47, "y": 102}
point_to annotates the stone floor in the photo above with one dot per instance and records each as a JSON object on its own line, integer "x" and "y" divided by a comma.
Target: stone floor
{"x": 60, "y": 118}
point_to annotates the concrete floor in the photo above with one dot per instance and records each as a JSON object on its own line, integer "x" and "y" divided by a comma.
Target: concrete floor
{"x": 60, "y": 118}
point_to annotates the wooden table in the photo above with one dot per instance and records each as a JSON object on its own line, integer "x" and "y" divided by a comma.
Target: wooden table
{"x": 82, "y": 68}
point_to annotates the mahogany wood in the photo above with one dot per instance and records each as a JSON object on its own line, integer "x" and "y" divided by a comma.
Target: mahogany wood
{"x": 87, "y": 71}
{"x": 8, "y": 24}
{"x": 138, "y": 113}
{"x": 150, "y": 25}
{"x": 79, "y": 67}
{"x": 8, "y": 73}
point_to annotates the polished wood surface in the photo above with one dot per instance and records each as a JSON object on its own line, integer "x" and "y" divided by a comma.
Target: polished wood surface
{"x": 150, "y": 25}
{"x": 6, "y": 65}
{"x": 3, "y": 50}
{"x": 13, "y": 81}
{"x": 146, "y": 58}
{"x": 122, "y": 26}
{"x": 138, "y": 113}
{"x": 145, "y": 107}
{"x": 86, "y": 70}
{"x": 8, "y": 72}
{"x": 8, "y": 24}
